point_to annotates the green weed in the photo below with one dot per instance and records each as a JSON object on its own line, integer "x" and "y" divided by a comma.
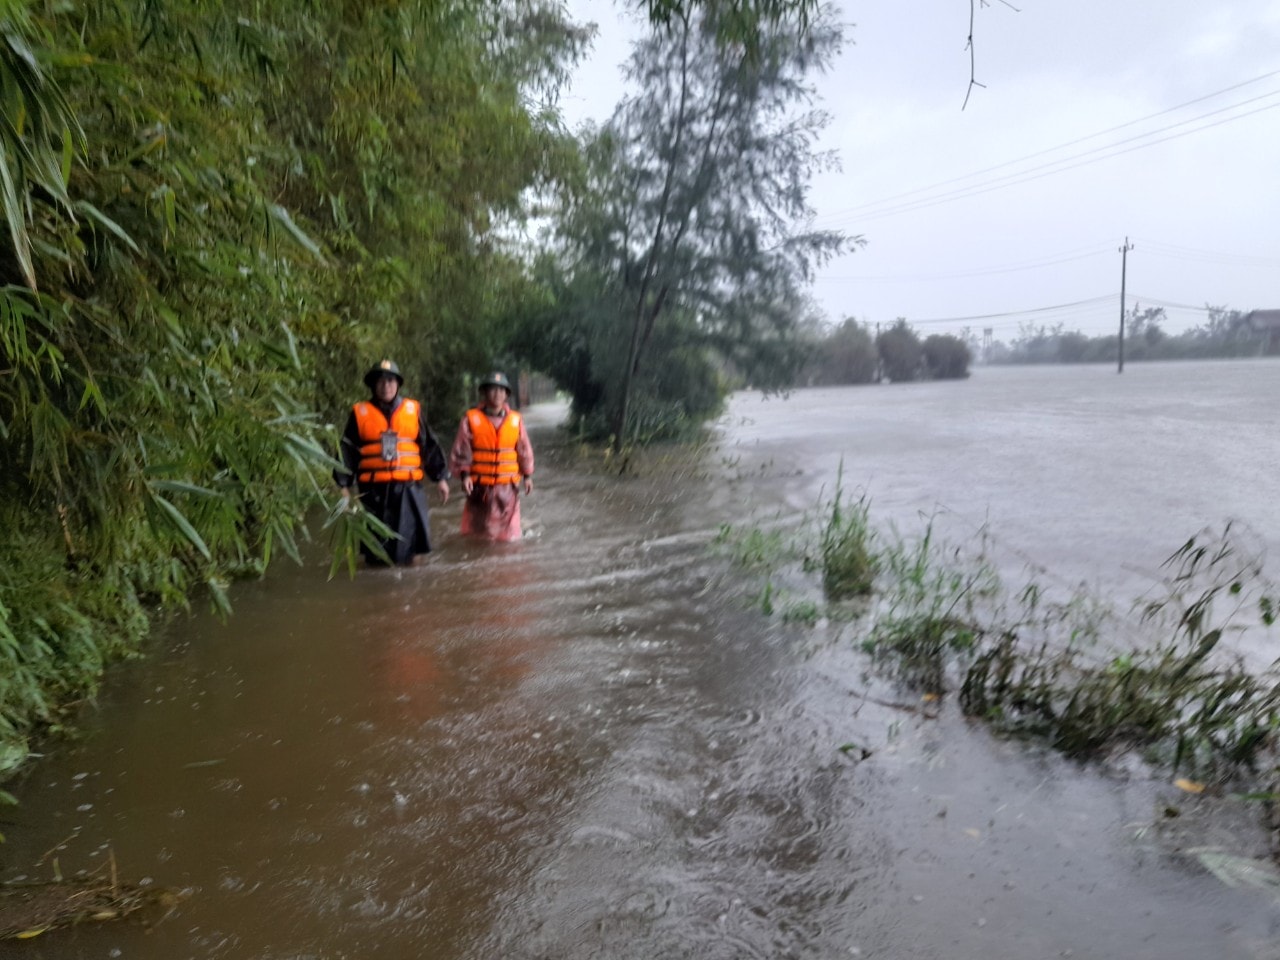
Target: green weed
{"x": 848, "y": 561}
{"x": 802, "y": 611}
{"x": 1182, "y": 700}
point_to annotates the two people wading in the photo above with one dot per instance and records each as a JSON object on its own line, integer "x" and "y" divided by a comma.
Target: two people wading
{"x": 388, "y": 448}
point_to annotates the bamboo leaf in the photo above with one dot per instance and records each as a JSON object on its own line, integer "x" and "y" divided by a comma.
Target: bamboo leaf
{"x": 281, "y": 215}
{"x": 170, "y": 210}
{"x": 92, "y": 394}
{"x": 68, "y": 154}
{"x": 83, "y": 206}
{"x": 161, "y": 469}
{"x": 293, "y": 345}
{"x": 313, "y": 452}
{"x": 179, "y": 486}
{"x": 218, "y": 592}
{"x": 184, "y": 525}
{"x": 17, "y": 222}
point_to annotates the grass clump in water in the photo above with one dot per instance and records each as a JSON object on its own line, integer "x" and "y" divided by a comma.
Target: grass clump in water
{"x": 1071, "y": 672}
{"x": 1183, "y": 700}
{"x": 847, "y": 557}
{"x": 928, "y": 613}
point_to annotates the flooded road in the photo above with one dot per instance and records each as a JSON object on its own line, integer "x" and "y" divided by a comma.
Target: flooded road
{"x": 591, "y": 744}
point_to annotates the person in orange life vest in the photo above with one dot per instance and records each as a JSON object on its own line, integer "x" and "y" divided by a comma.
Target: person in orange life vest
{"x": 387, "y": 448}
{"x": 493, "y": 457}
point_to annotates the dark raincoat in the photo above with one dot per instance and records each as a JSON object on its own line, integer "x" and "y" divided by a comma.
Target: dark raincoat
{"x": 402, "y": 506}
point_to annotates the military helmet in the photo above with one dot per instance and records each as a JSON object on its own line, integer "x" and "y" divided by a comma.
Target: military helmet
{"x": 496, "y": 379}
{"x": 383, "y": 368}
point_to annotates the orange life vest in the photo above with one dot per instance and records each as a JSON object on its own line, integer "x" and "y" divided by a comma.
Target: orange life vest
{"x": 493, "y": 452}
{"x": 372, "y": 424}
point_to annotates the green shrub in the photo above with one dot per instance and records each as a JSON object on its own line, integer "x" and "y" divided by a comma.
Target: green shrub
{"x": 901, "y": 355}
{"x": 946, "y": 357}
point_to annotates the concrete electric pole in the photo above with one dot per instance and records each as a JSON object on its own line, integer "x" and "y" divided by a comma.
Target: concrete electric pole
{"x": 1124, "y": 262}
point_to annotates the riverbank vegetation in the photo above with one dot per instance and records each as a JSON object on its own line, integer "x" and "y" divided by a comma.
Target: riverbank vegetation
{"x": 1162, "y": 680}
{"x": 215, "y": 220}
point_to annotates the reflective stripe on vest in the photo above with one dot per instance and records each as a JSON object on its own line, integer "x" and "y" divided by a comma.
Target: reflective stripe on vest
{"x": 372, "y": 425}
{"x": 493, "y": 452}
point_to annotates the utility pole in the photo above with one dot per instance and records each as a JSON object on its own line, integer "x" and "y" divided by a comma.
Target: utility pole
{"x": 1124, "y": 262}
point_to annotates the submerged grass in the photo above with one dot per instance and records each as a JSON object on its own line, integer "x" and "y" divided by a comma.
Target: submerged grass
{"x": 846, "y": 547}
{"x": 1184, "y": 700}
{"x": 1073, "y": 673}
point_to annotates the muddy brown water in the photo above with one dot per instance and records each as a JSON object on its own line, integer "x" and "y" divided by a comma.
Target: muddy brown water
{"x": 591, "y": 744}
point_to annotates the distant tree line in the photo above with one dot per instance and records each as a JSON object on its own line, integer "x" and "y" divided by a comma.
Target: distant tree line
{"x": 851, "y": 354}
{"x": 1226, "y": 334}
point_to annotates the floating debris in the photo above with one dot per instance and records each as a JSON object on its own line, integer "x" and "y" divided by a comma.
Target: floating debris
{"x": 28, "y": 910}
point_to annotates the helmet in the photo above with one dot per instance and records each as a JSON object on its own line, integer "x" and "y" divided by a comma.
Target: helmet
{"x": 496, "y": 379}
{"x": 383, "y": 367}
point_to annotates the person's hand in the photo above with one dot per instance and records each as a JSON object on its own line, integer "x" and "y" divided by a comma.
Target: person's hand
{"x": 443, "y": 487}
{"x": 347, "y": 502}
{"x": 528, "y": 485}
{"x": 468, "y": 484}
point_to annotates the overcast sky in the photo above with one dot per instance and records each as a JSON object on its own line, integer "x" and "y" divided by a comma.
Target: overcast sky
{"x": 1155, "y": 120}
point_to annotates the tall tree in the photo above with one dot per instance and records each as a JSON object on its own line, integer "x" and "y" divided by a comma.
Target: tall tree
{"x": 686, "y": 240}
{"x": 737, "y": 21}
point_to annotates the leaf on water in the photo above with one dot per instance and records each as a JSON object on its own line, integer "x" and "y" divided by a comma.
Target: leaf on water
{"x": 28, "y": 934}
{"x": 1237, "y": 871}
{"x": 973, "y": 832}
{"x": 202, "y": 763}
{"x": 1189, "y": 786}
{"x": 930, "y": 698}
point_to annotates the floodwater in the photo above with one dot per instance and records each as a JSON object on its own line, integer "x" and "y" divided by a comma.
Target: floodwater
{"x": 591, "y": 744}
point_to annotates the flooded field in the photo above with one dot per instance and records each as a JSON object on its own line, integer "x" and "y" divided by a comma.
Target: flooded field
{"x": 592, "y": 744}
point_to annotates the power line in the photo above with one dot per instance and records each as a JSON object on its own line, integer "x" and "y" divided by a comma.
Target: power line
{"x": 1108, "y": 298}
{"x": 1095, "y": 309}
{"x": 1014, "y": 268}
{"x": 1168, "y": 304}
{"x": 1207, "y": 256}
{"x": 1031, "y": 174}
{"x": 1061, "y": 146}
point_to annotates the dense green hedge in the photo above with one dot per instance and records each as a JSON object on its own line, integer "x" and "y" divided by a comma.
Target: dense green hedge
{"x": 214, "y": 222}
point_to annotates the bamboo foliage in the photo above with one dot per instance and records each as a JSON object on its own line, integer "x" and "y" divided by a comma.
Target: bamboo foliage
{"x": 38, "y": 131}
{"x": 214, "y": 220}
